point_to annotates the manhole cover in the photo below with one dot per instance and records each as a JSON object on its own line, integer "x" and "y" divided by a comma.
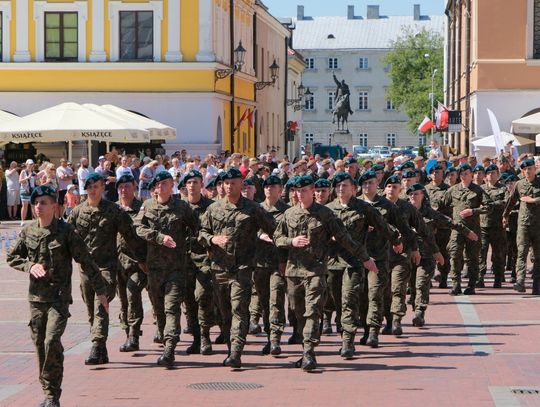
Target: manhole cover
{"x": 526, "y": 391}
{"x": 221, "y": 386}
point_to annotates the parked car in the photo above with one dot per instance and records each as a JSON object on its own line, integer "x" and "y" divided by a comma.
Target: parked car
{"x": 380, "y": 152}
{"x": 361, "y": 152}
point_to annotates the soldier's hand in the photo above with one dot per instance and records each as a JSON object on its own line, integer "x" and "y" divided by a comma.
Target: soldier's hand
{"x": 265, "y": 238}
{"x": 220, "y": 240}
{"x": 37, "y": 271}
{"x": 528, "y": 199}
{"x": 439, "y": 258}
{"x": 465, "y": 213}
{"x": 505, "y": 222}
{"x": 143, "y": 267}
{"x": 371, "y": 266}
{"x": 370, "y": 228}
{"x": 169, "y": 242}
{"x": 104, "y": 302}
{"x": 300, "y": 241}
{"x": 398, "y": 248}
{"x": 472, "y": 236}
{"x": 415, "y": 257}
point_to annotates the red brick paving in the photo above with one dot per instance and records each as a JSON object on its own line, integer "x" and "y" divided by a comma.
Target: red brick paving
{"x": 431, "y": 366}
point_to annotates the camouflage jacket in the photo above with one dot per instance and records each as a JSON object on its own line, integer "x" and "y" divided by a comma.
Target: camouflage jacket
{"x": 155, "y": 221}
{"x": 126, "y": 257}
{"x": 472, "y": 197}
{"x": 99, "y": 227}
{"x": 198, "y": 254}
{"x": 267, "y": 254}
{"x": 414, "y": 220}
{"x": 319, "y": 224}
{"x": 357, "y": 216}
{"x": 257, "y": 182}
{"x": 54, "y": 247}
{"x": 436, "y": 198}
{"x": 529, "y": 213}
{"x": 241, "y": 224}
{"x": 497, "y": 193}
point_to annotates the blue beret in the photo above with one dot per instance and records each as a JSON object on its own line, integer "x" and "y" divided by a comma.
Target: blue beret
{"x": 124, "y": 179}
{"x": 479, "y": 168}
{"x": 248, "y": 182}
{"x": 303, "y": 181}
{"x": 342, "y": 176}
{"x": 377, "y": 167}
{"x": 491, "y": 167}
{"x": 160, "y": 176}
{"x": 394, "y": 179}
{"x": 272, "y": 180}
{"x": 92, "y": 178}
{"x": 464, "y": 167}
{"x": 212, "y": 183}
{"x": 409, "y": 174}
{"x": 416, "y": 187}
{"x": 436, "y": 167}
{"x": 192, "y": 174}
{"x": 366, "y": 176}
{"x": 405, "y": 165}
{"x": 322, "y": 183}
{"x": 529, "y": 162}
{"x": 349, "y": 161}
{"x": 42, "y": 190}
{"x": 232, "y": 173}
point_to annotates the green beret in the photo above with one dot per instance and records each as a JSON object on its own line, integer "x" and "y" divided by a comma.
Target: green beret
{"x": 409, "y": 174}
{"x": 349, "y": 161}
{"x": 377, "y": 167}
{"x": 182, "y": 184}
{"x": 464, "y": 167}
{"x": 450, "y": 169}
{"x": 160, "y": 176}
{"x": 509, "y": 178}
{"x": 124, "y": 179}
{"x": 221, "y": 176}
{"x": 491, "y": 167}
{"x": 303, "y": 181}
{"x": 529, "y": 162}
{"x": 436, "y": 167}
{"x": 405, "y": 165}
{"x": 340, "y": 177}
{"x": 416, "y": 187}
{"x": 192, "y": 174}
{"x": 366, "y": 176}
{"x": 232, "y": 173}
{"x": 43, "y": 190}
{"x": 479, "y": 168}
{"x": 290, "y": 183}
{"x": 394, "y": 179}
{"x": 272, "y": 180}
{"x": 248, "y": 182}
{"x": 322, "y": 183}
{"x": 92, "y": 178}
{"x": 212, "y": 183}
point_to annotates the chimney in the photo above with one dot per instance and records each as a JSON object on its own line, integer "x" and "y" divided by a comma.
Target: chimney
{"x": 372, "y": 12}
{"x": 299, "y": 12}
{"x": 350, "y": 12}
{"x": 417, "y": 12}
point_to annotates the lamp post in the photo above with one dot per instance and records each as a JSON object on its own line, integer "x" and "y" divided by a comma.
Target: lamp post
{"x": 301, "y": 92}
{"x": 432, "y": 97}
{"x": 274, "y": 70}
{"x": 239, "y": 61}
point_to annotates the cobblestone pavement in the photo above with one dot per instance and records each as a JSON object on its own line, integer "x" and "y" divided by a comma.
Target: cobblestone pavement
{"x": 474, "y": 351}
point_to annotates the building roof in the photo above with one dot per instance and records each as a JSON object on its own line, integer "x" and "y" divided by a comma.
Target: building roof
{"x": 358, "y": 33}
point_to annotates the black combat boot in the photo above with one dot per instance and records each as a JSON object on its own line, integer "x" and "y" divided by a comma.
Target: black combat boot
{"x": 233, "y": 360}
{"x": 266, "y": 348}
{"x": 365, "y": 336}
{"x": 497, "y": 283}
{"x": 220, "y": 339}
{"x": 397, "y": 330}
{"x": 443, "y": 283}
{"x": 131, "y": 344}
{"x": 456, "y": 289}
{"x": 275, "y": 348}
{"x": 536, "y": 287}
{"x": 480, "y": 283}
{"x": 469, "y": 291}
{"x": 167, "y": 358}
{"x": 254, "y": 328}
{"x": 373, "y": 338}
{"x": 519, "y": 287}
{"x": 309, "y": 362}
{"x": 347, "y": 346}
{"x": 97, "y": 355}
{"x": 326, "y": 325}
{"x": 387, "y": 330}
{"x": 295, "y": 339}
{"x": 418, "y": 319}
{"x": 195, "y": 347}
{"x": 206, "y": 344}
{"x": 158, "y": 337}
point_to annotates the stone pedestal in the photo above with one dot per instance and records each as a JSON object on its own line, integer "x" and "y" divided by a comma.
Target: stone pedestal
{"x": 341, "y": 137}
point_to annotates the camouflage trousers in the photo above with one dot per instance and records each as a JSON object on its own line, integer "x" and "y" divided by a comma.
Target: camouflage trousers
{"x": 233, "y": 293}
{"x": 278, "y": 290}
{"x": 131, "y": 283}
{"x": 395, "y": 292}
{"x": 47, "y": 324}
{"x": 199, "y": 300}
{"x": 511, "y": 252}
{"x": 334, "y": 281}
{"x": 167, "y": 294}
{"x": 255, "y": 307}
{"x": 456, "y": 245}
{"x": 528, "y": 237}
{"x": 97, "y": 316}
{"x": 261, "y": 284}
{"x": 496, "y": 238}
{"x": 424, "y": 273}
{"x": 306, "y": 298}
{"x": 442, "y": 237}
{"x": 351, "y": 292}
{"x": 372, "y": 298}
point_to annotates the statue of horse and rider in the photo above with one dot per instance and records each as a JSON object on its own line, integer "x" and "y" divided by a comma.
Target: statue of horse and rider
{"x": 342, "y": 105}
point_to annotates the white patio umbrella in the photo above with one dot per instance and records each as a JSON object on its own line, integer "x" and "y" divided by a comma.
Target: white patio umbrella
{"x": 489, "y": 141}
{"x": 158, "y": 131}
{"x": 528, "y": 124}
{"x": 6, "y": 116}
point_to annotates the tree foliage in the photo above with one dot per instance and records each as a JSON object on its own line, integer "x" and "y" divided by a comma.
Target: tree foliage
{"x": 412, "y": 60}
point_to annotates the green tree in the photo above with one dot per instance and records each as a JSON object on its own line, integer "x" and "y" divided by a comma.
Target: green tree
{"x": 412, "y": 61}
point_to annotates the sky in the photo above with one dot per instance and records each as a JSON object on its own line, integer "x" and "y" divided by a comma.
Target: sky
{"x": 287, "y": 8}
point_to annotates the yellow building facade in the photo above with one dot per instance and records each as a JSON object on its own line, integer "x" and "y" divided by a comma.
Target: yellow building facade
{"x": 156, "y": 57}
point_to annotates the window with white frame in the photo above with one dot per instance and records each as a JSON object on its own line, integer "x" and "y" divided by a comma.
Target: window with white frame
{"x": 390, "y": 105}
{"x": 309, "y": 138}
{"x": 331, "y": 99}
{"x": 421, "y": 139}
{"x": 391, "y": 139}
{"x": 310, "y": 63}
{"x": 362, "y": 139}
{"x": 363, "y": 100}
{"x": 136, "y": 35}
{"x": 309, "y": 103}
{"x": 363, "y": 63}
{"x": 332, "y": 63}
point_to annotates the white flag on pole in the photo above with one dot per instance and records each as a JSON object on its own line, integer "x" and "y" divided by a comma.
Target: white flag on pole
{"x": 497, "y": 136}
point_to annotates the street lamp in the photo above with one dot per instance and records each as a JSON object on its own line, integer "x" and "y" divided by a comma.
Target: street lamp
{"x": 274, "y": 69}
{"x": 432, "y": 96}
{"x": 239, "y": 61}
{"x": 301, "y": 92}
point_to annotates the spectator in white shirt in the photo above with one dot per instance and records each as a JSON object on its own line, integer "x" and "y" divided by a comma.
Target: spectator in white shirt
{"x": 176, "y": 173}
{"x": 100, "y": 169}
{"x": 82, "y": 174}
{"x": 64, "y": 175}
{"x": 123, "y": 168}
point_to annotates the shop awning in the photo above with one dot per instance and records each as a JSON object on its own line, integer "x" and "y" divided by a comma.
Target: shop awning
{"x": 489, "y": 141}
{"x": 528, "y": 124}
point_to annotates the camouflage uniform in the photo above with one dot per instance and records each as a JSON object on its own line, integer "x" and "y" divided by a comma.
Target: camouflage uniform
{"x": 166, "y": 266}
{"x": 99, "y": 227}
{"x": 511, "y": 237}
{"x": 493, "y": 233}
{"x": 259, "y": 190}
{"x": 232, "y": 264}
{"x": 54, "y": 247}
{"x": 528, "y": 230}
